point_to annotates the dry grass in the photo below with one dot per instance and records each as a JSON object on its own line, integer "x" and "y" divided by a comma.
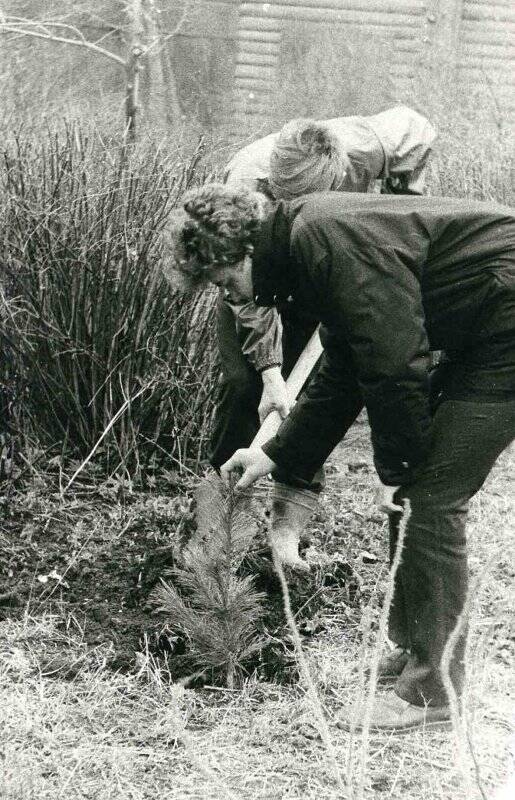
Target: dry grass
{"x": 98, "y": 734}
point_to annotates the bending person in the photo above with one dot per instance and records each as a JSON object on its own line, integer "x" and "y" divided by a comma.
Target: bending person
{"x": 390, "y": 278}
{"x": 259, "y": 346}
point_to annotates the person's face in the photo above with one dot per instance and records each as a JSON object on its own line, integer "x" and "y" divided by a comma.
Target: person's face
{"x": 236, "y": 280}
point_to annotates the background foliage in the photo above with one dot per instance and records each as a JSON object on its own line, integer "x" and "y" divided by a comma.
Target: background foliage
{"x": 86, "y": 325}
{"x": 185, "y": 78}
{"x": 90, "y": 326}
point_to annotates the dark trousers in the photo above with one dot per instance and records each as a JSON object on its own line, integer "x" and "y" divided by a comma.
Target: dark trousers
{"x": 236, "y": 416}
{"x": 432, "y": 581}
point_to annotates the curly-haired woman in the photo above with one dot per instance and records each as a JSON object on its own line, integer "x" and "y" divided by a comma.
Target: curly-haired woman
{"x": 389, "y": 278}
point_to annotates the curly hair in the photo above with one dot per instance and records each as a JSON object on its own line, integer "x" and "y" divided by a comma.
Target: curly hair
{"x": 214, "y": 228}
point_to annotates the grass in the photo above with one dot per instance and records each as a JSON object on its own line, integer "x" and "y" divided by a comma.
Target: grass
{"x": 74, "y": 726}
{"x": 96, "y": 344}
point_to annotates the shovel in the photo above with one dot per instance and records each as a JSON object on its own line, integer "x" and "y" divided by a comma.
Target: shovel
{"x": 269, "y": 427}
{"x": 294, "y": 384}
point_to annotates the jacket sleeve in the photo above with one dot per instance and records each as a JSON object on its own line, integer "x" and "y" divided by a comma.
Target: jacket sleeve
{"x": 407, "y": 138}
{"x": 260, "y": 333}
{"x": 249, "y": 168}
{"x": 322, "y": 415}
{"x": 377, "y": 301}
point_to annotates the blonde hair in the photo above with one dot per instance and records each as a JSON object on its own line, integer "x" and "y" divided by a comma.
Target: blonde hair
{"x": 306, "y": 158}
{"x": 214, "y": 228}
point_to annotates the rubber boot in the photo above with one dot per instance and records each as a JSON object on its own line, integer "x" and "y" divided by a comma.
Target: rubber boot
{"x": 291, "y": 511}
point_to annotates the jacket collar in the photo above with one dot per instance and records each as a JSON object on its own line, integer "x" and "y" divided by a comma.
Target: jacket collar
{"x": 273, "y": 270}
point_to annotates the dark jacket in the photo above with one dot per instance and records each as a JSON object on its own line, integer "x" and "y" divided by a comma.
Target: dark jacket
{"x": 390, "y": 278}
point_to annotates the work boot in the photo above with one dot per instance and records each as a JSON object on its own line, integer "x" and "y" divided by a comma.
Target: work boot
{"x": 291, "y": 510}
{"x": 395, "y": 715}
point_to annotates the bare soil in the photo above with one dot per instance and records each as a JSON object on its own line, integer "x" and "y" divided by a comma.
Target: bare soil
{"x": 98, "y": 552}
{"x": 88, "y": 711}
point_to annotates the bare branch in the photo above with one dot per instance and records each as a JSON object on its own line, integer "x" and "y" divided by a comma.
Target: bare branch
{"x": 25, "y": 30}
{"x": 106, "y": 36}
{"x": 91, "y": 21}
{"x": 162, "y": 40}
{"x": 78, "y": 33}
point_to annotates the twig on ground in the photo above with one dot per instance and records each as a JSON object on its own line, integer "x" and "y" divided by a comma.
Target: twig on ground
{"x": 460, "y": 727}
{"x": 102, "y": 437}
{"x": 305, "y": 673}
{"x": 381, "y": 636}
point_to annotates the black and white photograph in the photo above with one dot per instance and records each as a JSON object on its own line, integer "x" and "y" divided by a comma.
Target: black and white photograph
{"x": 257, "y": 400}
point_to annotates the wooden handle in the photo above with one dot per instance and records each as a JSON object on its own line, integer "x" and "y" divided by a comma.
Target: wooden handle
{"x": 294, "y": 383}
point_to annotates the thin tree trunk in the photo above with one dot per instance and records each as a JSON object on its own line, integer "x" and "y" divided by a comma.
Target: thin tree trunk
{"x": 132, "y": 93}
{"x": 174, "y": 110}
{"x": 136, "y": 39}
{"x": 161, "y": 98}
{"x": 230, "y": 674}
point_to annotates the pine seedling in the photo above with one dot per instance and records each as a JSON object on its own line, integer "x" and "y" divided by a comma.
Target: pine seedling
{"x": 213, "y": 608}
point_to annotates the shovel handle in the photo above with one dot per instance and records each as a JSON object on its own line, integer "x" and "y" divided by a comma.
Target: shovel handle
{"x": 294, "y": 383}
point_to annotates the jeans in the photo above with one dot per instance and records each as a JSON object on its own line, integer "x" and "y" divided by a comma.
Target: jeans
{"x": 236, "y": 416}
{"x": 432, "y": 580}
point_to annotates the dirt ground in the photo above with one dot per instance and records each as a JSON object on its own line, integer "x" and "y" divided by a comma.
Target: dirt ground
{"x": 92, "y": 556}
{"x": 89, "y": 712}
{"x": 97, "y": 553}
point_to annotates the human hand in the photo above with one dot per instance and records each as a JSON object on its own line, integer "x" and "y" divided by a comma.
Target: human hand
{"x": 253, "y": 462}
{"x": 274, "y": 396}
{"x": 384, "y": 499}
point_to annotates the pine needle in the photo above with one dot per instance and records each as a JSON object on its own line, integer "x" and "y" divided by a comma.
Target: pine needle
{"x": 215, "y": 609}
